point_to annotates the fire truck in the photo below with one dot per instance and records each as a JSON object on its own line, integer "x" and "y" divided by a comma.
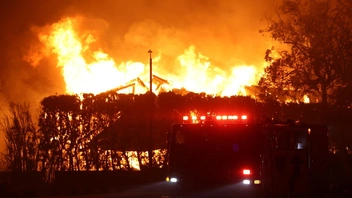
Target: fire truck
{"x": 234, "y": 154}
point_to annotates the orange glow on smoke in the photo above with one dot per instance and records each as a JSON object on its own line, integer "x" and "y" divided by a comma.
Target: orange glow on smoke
{"x": 101, "y": 73}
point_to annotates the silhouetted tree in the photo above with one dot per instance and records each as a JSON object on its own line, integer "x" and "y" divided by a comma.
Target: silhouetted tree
{"x": 317, "y": 49}
{"x": 59, "y": 126}
{"x": 21, "y": 139}
{"x": 344, "y": 55}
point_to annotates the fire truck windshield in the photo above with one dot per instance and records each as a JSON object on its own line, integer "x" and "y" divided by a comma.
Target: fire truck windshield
{"x": 208, "y": 140}
{"x": 219, "y": 140}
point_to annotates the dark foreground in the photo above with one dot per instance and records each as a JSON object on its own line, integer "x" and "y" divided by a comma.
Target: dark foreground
{"x": 164, "y": 190}
{"x": 153, "y": 190}
{"x": 133, "y": 184}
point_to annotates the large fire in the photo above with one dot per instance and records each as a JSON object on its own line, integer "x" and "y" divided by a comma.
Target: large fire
{"x": 88, "y": 71}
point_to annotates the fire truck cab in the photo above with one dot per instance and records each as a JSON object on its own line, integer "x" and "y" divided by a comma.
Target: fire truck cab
{"x": 236, "y": 155}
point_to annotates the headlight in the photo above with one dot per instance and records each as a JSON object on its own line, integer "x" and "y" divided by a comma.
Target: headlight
{"x": 246, "y": 181}
{"x": 173, "y": 179}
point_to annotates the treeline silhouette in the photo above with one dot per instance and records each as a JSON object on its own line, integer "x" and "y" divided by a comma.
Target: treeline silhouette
{"x": 112, "y": 131}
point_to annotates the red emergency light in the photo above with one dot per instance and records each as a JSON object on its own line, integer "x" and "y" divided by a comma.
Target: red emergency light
{"x": 220, "y": 118}
{"x": 246, "y": 172}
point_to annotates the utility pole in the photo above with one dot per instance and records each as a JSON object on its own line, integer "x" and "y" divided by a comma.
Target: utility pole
{"x": 150, "y": 71}
{"x": 150, "y": 150}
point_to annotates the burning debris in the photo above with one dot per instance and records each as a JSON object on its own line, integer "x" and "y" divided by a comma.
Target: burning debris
{"x": 131, "y": 85}
{"x": 159, "y": 81}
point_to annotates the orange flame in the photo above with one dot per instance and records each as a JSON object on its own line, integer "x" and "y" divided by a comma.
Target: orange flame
{"x": 101, "y": 73}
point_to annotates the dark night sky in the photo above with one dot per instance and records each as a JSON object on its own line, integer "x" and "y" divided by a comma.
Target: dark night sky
{"x": 224, "y": 30}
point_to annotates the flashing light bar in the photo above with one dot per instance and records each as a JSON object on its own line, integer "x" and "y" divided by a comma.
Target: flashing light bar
{"x": 196, "y": 119}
